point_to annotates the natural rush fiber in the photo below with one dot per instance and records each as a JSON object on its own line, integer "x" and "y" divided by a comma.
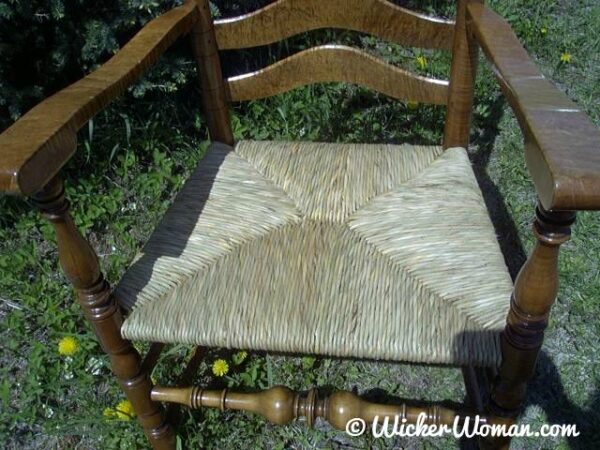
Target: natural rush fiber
{"x": 375, "y": 251}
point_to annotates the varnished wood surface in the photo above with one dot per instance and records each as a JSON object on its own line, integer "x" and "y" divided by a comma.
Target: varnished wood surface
{"x": 462, "y": 82}
{"x": 212, "y": 85}
{"x": 80, "y": 264}
{"x": 337, "y": 63}
{"x": 280, "y": 405}
{"x": 152, "y": 357}
{"x": 35, "y": 147}
{"x": 535, "y": 291}
{"x": 286, "y": 18}
{"x": 562, "y": 145}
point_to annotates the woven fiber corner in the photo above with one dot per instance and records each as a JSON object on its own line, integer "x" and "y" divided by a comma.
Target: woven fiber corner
{"x": 352, "y": 250}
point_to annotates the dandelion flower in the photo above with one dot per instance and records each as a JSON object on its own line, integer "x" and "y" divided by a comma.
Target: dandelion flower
{"x": 565, "y": 57}
{"x": 220, "y": 367}
{"x": 412, "y": 104}
{"x": 240, "y": 356}
{"x": 421, "y": 61}
{"x": 124, "y": 410}
{"x": 68, "y": 346}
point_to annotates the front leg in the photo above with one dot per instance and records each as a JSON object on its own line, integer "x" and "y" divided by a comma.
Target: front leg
{"x": 535, "y": 291}
{"x": 80, "y": 265}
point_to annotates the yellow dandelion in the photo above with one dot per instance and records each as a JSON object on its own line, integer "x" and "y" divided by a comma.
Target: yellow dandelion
{"x": 68, "y": 346}
{"x": 421, "y": 61}
{"x": 412, "y": 104}
{"x": 220, "y": 367}
{"x": 544, "y": 31}
{"x": 565, "y": 57}
{"x": 124, "y": 410}
{"x": 239, "y": 357}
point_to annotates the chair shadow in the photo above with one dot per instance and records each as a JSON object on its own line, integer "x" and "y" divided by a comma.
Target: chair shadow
{"x": 181, "y": 226}
{"x": 546, "y": 391}
{"x": 504, "y": 226}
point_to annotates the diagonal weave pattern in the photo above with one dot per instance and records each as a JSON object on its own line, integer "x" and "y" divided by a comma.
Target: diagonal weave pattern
{"x": 375, "y": 251}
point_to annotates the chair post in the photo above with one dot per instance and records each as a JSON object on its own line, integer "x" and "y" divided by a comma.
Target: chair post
{"x": 462, "y": 81}
{"x": 81, "y": 267}
{"x": 214, "y": 98}
{"x": 534, "y": 293}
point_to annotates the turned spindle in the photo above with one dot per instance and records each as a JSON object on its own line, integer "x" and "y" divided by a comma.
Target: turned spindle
{"x": 535, "y": 291}
{"x": 80, "y": 265}
{"x": 280, "y": 405}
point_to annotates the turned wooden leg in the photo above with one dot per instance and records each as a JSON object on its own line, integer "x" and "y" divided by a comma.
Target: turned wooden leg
{"x": 535, "y": 291}
{"x": 80, "y": 265}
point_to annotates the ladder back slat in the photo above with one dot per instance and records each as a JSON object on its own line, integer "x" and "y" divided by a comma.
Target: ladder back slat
{"x": 330, "y": 63}
{"x": 286, "y": 18}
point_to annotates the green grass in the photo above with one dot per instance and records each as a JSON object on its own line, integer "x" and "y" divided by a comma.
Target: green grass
{"x": 136, "y": 155}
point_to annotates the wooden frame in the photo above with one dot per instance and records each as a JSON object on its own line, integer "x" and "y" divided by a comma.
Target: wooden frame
{"x": 36, "y": 146}
{"x": 562, "y": 147}
{"x": 285, "y": 18}
{"x": 561, "y": 142}
{"x": 337, "y": 63}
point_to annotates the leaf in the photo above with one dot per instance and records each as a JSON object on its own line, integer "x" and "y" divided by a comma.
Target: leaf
{"x": 269, "y": 371}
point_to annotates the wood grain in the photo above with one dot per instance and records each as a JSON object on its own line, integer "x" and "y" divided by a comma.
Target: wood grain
{"x": 214, "y": 97}
{"x": 280, "y": 405}
{"x": 462, "y": 82}
{"x": 329, "y": 63}
{"x": 286, "y": 18}
{"x": 535, "y": 291}
{"x": 34, "y": 148}
{"x": 562, "y": 145}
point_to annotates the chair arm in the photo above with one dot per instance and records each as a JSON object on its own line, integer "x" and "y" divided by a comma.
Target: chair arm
{"x": 562, "y": 145}
{"x": 36, "y": 146}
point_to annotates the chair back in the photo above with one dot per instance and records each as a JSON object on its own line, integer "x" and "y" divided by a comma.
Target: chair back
{"x": 332, "y": 63}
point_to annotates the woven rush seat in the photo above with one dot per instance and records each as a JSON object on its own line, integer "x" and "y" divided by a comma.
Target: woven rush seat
{"x": 352, "y": 250}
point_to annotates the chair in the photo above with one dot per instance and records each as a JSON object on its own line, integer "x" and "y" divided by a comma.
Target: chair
{"x": 358, "y": 251}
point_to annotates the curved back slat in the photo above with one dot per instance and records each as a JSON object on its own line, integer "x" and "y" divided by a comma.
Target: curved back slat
{"x": 286, "y": 18}
{"x": 337, "y": 63}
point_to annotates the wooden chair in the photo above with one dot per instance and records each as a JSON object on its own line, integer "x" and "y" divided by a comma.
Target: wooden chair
{"x": 368, "y": 251}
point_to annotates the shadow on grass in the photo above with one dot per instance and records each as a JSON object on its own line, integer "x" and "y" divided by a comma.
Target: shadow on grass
{"x": 546, "y": 390}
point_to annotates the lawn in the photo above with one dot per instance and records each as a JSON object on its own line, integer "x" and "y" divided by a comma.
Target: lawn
{"x": 134, "y": 157}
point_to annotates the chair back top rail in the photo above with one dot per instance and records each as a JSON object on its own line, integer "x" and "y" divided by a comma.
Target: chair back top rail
{"x": 562, "y": 145}
{"x": 37, "y": 145}
{"x": 328, "y": 63}
{"x": 286, "y": 18}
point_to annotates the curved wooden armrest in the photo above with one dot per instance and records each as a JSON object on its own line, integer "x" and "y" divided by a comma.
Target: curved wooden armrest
{"x": 35, "y": 147}
{"x": 562, "y": 145}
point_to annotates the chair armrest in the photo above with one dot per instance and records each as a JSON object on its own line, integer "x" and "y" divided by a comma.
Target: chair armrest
{"x": 36, "y": 146}
{"x": 562, "y": 145}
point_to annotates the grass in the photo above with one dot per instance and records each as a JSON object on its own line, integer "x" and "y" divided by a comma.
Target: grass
{"x": 135, "y": 156}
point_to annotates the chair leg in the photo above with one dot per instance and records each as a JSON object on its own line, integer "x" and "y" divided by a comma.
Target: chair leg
{"x": 472, "y": 387}
{"x": 81, "y": 267}
{"x": 535, "y": 291}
